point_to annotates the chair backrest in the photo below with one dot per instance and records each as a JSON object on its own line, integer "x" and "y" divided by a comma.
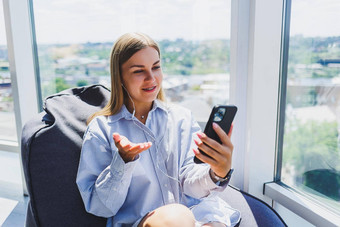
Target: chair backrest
{"x": 51, "y": 145}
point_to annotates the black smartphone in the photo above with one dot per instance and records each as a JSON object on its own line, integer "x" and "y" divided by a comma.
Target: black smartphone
{"x": 223, "y": 115}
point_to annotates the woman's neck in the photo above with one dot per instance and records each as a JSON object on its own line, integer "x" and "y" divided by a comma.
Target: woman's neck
{"x": 141, "y": 110}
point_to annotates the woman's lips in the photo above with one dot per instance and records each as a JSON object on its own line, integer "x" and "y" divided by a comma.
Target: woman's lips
{"x": 149, "y": 89}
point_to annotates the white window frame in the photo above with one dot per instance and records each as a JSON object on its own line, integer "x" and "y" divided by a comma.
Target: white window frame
{"x": 255, "y": 61}
{"x": 256, "y": 34}
{"x": 21, "y": 61}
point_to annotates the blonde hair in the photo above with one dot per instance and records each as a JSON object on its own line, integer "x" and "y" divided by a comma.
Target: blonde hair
{"x": 126, "y": 46}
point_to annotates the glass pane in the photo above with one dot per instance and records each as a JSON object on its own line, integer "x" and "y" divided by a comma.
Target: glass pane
{"x": 311, "y": 156}
{"x": 75, "y": 38}
{"x": 7, "y": 118}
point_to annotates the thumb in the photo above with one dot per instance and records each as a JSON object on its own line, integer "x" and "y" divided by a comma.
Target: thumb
{"x": 231, "y": 130}
{"x": 116, "y": 137}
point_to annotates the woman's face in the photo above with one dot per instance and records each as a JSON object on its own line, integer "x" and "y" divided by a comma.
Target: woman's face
{"x": 142, "y": 76}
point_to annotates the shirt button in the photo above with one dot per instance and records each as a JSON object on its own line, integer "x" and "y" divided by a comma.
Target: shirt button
{"x": 166, "y": 185}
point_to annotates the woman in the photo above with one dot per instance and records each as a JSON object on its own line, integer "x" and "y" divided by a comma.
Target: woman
{"x": 136, "y": 165}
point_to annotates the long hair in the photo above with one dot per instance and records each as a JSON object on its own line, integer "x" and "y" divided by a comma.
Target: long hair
{"x": 126, "y": 46}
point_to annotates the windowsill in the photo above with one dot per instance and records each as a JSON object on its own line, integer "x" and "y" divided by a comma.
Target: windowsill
{"x": 10, "y": 146}
{"x": 305, "y": 208}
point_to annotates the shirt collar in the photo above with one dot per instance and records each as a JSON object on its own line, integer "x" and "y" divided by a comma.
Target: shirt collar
{"x": 159, "y": 104}
{"x": 124, "y": 112}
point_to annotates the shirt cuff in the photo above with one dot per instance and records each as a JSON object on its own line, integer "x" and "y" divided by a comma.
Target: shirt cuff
{"x": 206, "y": 179}
{"x": 211, "y": 184}
{"x": 119, "y": 168}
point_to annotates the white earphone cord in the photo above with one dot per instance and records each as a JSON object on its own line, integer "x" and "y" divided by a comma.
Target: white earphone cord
{"x": 151, "y": 136}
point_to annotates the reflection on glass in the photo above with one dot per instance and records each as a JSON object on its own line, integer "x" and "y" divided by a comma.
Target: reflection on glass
{"x": 75, "y": 39}
{"x": 311, "y": 155}
{"x": 7, "y": 118}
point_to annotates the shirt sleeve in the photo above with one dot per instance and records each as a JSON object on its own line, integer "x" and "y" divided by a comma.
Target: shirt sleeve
{"x": 103, "y": 177}
{"x": 195, "y": 178}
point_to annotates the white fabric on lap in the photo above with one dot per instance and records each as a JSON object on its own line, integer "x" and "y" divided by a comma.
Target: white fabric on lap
{"x": 215, "y": 209}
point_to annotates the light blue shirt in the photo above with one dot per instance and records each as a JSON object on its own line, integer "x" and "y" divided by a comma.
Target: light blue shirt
{"x": 163, "y": 174}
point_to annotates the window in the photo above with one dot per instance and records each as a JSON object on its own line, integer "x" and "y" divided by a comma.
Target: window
{"x": 74, "y": 40}
{"x": 7, "y": 117}
{"x": 311, "y": 141}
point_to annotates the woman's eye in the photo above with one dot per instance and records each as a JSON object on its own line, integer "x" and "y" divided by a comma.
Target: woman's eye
{"x": 138, "y": 71}
{"x": 156, "y": 67}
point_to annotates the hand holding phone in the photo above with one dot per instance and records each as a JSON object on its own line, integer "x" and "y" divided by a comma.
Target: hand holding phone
{"x": 222, "y": 115}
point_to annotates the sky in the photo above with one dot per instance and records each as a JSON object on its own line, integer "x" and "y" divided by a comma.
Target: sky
{"x": 75, "y": 21}
{"x": 79, "y": 21}
{"x": 313, "y": 18}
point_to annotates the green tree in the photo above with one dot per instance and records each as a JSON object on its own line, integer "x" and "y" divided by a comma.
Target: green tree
{"x": 311, "y": 151}
{"x": 183, "y": 57}
{"x": 61, "y": 84}
{"x": 311, "y": 144}
{"x": 81, "y": 83}
{"x": 54, "y": 86}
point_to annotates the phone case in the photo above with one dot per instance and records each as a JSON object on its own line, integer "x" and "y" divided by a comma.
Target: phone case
{"x": 223, "y": 119}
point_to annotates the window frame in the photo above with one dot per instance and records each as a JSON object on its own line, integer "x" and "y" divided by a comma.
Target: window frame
{"x": 282, "y": 194}
{"x": 20, "y": 56}
{"x": 256, "y": 47}
{"x": 301, "y": 205}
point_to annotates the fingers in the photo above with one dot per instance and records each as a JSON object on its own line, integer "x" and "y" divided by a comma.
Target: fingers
{"x": 116, "y": 137}
{"x": 204, "y": 158}
{"x": 123, "y": 144}
{"x": 231, "y": 130}
{"x": 207, "y": 150}
{"x": 214, "y": 144}
{"x": 138, "y": 148}
{"x": 208, "y": 144}
{"x": 219, "y": 166}
{"x": 222, "y": 135}
{"x": 220, "y": 154}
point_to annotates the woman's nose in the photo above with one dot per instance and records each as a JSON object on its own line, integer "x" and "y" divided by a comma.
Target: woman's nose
{"x": 150, "y": 76}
